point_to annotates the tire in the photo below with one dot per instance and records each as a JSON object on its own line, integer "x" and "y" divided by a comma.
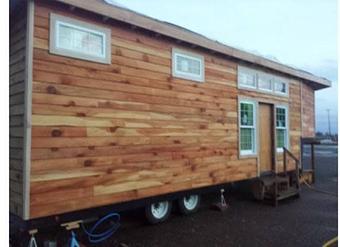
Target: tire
{"x": 189, "y": 204}
{"x": 158, "y": 212}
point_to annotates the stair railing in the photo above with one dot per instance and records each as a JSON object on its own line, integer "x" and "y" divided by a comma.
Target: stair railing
{"x": 286, "y": 153}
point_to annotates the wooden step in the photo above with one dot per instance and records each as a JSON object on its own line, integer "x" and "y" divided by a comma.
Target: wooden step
{"x": 269, "y": 180}
{"x": 291, "y": 191}
{"x": 283, "y": 194}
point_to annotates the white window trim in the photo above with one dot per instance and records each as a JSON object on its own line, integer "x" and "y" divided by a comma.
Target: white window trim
{"x": 248, "y": 152}
{"x": 280, "y": 150}
{"x": 54, "y": 48}
{"x": 190, "y": 55}
{"x": 256, "y": 88}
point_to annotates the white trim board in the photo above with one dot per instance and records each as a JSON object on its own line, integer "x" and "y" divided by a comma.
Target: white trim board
{"x": 28, "y": 109}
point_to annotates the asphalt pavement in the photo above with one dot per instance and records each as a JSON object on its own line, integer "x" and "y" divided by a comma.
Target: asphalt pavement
{"x": 310, "y": 220}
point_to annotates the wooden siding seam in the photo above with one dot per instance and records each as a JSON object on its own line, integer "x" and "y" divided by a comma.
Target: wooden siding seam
{"x": 148, "y": 23}
{"x": 93, "y": 147}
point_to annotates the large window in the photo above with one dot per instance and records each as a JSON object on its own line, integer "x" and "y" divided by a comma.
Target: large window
{"x": 281, "y": 128}
{"x": 187, "y": 65}
{"x": 253, "y": 79}
{"x": 73, "y": 38}
{"x": 247, "y": 120}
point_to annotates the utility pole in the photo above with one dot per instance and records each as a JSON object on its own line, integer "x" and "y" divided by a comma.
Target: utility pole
{"x": 329, "y": 123}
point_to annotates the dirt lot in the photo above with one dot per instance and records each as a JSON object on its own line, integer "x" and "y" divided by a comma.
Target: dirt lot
{"x": 310, "y": 220}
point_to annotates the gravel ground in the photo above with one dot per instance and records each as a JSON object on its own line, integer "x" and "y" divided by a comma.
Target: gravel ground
{"x": 310, "y": 220}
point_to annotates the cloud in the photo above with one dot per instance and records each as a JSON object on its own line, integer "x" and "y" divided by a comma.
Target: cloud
{"x": 327, "y": 68}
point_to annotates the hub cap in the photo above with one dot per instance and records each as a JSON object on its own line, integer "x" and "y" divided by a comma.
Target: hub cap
{"x": 190, "y": 202}
{"x": 159, "y": 209}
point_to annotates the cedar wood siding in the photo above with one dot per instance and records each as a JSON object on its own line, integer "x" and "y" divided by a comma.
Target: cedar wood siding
{"x": 308, "y": 111}
{"x": 103, "y": 134}
{"x": 294, "y": 115}
{"x": 17, "y": 74}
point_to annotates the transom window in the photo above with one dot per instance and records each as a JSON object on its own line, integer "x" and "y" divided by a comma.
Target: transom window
{"x": 247, "y": 77}
{"x": 187, "y": 65}
{"x": 280, "y": 87}
{"x": 264, "y": 82}
{"x": 281, "y": 128}
{"x": 247, "y": 120}
{"x": 73, "y": 38}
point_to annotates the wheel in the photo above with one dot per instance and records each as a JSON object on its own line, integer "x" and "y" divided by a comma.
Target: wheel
{"x": 158, "y": 212}
{"x": 189, "y": 204}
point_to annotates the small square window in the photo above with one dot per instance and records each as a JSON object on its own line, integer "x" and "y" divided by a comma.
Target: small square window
{"x": 280, "y": 87}
{"x": 73, "y": 38}
{"x": 265, "y": 82}
{"x": 187, "y": 65}
{"x": 246, "y": 77}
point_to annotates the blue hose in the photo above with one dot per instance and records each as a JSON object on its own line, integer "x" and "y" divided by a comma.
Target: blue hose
{"x": 94, "y": 237}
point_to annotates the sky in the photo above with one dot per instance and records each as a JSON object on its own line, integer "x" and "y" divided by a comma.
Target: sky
{"x": 300, "y": 33}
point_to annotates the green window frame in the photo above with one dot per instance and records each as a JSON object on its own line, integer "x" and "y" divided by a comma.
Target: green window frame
{"x": 247, "y": 123}
{"x": 281, "y": 113}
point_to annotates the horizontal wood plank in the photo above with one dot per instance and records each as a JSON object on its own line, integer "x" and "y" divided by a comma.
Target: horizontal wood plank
{"x": 109, "y": 133}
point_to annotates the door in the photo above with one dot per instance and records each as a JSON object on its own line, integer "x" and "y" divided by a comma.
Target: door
{"x": 266, "y": 137}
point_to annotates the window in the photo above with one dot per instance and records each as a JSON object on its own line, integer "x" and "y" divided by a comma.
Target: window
{"x": 264, "y": 82}
{"x": 281, "y": 128}
{"x": 280, "y": 87}
{"x": 73, "y": 38}
{"x": 187, "y": 65}
{"x": 247, "y": 120}
{"x": 260, "y": 81}
{"x": 246, "y": 77}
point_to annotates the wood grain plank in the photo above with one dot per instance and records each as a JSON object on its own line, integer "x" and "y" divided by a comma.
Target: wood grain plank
{"x": 103, "y": 134}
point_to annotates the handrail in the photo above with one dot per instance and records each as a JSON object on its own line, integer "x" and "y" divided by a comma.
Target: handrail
{"x": 291, "y": 154}
{"x": 312, "y": 141}
{"x": 297, "y": 162}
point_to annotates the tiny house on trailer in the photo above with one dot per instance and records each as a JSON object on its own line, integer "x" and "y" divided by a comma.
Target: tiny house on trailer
{"x": 110, "y": 107}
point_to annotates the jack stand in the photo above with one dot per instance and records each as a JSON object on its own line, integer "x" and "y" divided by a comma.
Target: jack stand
{"x": 33, "y": 242}
{"x": 222, "y": 205}
{"x": 73, "y": 241}
{"x": 70, "y": 226}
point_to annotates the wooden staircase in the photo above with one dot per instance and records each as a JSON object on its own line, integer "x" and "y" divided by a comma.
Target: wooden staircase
{"x": 274, "y": 187}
